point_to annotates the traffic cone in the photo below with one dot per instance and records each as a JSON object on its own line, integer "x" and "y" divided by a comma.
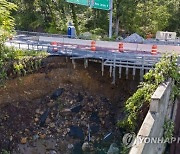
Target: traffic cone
{"x": 154, "y": 50}
{"x": 54, "y": 43}
{"x": 93, "y": 46}
{"x": 121, "y": 47}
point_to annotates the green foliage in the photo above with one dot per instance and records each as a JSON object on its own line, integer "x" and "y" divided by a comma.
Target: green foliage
{"x": 124, "y": 149}
{"x": 151, "y": 16}
{"x": 98, "y": 31}
{"x": 21, "y": 62}
{"x": 129, "y": 16}
{"x": 26, "y": 65}
{"x": 168, "y": 129}
{"x": 6, "y": 21}
{"x": 166, "y": 68}
{"x": 5, "y": 151}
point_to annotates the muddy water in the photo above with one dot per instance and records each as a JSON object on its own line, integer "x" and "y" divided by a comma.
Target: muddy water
{"x": 20, "y": 97}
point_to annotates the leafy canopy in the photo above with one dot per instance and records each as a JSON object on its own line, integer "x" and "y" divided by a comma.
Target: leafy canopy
{"x": 6, "y": 20}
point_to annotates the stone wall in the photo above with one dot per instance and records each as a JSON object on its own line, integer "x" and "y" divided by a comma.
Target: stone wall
{"x": 161, "y": 108}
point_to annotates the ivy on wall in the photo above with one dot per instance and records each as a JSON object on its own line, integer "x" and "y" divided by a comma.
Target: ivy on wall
{"x": 165, "y": 69}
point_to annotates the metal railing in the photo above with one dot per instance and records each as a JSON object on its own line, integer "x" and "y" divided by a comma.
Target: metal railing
{"x": 42, "y": 34}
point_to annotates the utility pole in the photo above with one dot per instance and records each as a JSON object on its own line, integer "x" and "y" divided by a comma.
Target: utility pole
{"x": 110, "y": 18}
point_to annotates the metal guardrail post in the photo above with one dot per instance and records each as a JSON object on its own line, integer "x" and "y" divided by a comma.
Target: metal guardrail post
{"x": 120, "y": 71}
{"x": 134, "y": 73}
{"x": 142, "y": 69}
{"x": 114, "y": 70}
{"x": 102, "y": 67}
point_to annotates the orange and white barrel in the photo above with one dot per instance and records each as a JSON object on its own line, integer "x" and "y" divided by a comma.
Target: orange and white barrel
{"x": 154, "y": 50}
{"x": 93, "y": 45}
{"x": 121, "y": 47}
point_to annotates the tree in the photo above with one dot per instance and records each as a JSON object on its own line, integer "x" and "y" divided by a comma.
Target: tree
{"x": 6, "y": 20}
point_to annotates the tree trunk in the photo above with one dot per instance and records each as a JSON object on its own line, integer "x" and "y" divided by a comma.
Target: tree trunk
{"x": 117, "y": 26}
{"x": 75, "y": 20}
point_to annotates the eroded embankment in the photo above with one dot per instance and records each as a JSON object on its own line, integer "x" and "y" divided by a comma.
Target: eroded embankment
{"x": 96, "y": 103}
{"x": 56, "y": 72}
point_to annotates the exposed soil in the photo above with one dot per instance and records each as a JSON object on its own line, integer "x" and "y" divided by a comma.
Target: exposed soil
{"x": 38, "y": 117}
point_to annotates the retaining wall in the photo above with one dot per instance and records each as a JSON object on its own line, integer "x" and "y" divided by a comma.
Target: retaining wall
{"x": 161, "y": 108}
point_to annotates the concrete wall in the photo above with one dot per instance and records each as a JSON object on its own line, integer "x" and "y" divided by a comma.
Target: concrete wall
{"x": 160, "y": 108}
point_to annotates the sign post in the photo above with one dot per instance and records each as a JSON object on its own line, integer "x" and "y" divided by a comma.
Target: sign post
{"x": 110, "y": 18}
{"x": 98, "y": 4}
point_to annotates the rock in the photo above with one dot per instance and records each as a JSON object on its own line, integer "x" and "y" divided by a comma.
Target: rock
{"x": 94, "y": 117}
{"x": 66, "y": 111}
{"x": 90, "y": 99}
{"x": 44, "y": 117}
{"x": 26, "y": 130}
{"x": 107, "y": 112}
{"x": 70, "y": 146}
{"x": 51, "y": 103}
{"x": 23, "y": 140}
{"x": 76, "y": 132}
{"x": 48, "y": 120}
{"x": 42, "y": 136}
{"x": 35, "y": 137}
{"x": 79, "y": 97}
{"x": 57, "y": 93}
{"x": 52, "y": 125}
{"x": 77, "y": 149}
{"x": 51, "y": 152}
{"x": 38, "y": 111}
{"x": 113, "y": 149}
{"x": 84, "y": 123}
{"x": 76, "y": 109}
{"x": 134, "y": 38}
{"x": 87, "y": 147}
{"x": 36, "y": 119}
{"x": 59, "y": 130}
{"x": 94, "y": 128}
{"x": 102, "y": 114}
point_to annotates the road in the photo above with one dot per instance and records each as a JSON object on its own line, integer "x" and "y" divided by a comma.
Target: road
{"x": 102, "y": 45}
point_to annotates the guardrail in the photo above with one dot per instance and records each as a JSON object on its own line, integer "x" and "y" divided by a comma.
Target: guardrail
{"x": 42, "y": 34}
{"x": 113, "y": 60}
{"x": 148, "y": 41}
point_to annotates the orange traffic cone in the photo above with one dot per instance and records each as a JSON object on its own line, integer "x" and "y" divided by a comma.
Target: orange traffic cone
{"x": 54, "y": 43}
{"x": 121, "y": 47}
{"x": 93, "y": 46}
{"x": 154, "y": 50}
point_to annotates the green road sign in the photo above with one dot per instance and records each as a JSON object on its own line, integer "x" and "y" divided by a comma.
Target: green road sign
{"x": 81, "y": 2}
{"x": 101, "y": 4}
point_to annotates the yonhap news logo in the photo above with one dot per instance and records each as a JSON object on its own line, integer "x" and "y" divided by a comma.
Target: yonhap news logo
{"x": 130, "y": 140}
